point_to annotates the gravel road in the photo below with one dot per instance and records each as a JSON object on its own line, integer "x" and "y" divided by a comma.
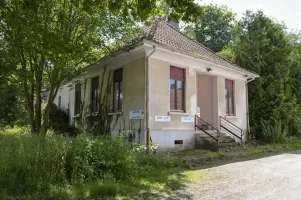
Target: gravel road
{"x": 276, "y": 177}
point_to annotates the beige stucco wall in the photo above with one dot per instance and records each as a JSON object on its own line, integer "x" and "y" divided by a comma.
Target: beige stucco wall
{"x": 240, "y": 118}
{"x": 67, "y": 97}
{"x": 165, "y": 133}
{"x": 159, "y": 99}
{"x": 133, "y": 94}
{"x": 201, "y": 90}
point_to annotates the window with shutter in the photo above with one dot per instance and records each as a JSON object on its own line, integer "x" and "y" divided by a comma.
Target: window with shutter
{"x": 94, "y": 94}
{"x": 177, "y": 89}
{"x": 229, "y": 95}
{"x": 117, "y": 95}
{"x": 77, "y": 98}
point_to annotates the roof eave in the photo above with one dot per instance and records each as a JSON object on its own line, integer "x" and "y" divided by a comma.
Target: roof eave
{"x": 116, "y": 53}
{"x": 241, "y": 70}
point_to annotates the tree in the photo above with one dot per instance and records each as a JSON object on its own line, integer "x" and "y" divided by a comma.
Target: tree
{"x": 214, "y": 28}
{"x": 295, "y": 65}
{"x": 261, "y": 45}
{"x": 8, "y": 90}
{"x": 53, "y": 40}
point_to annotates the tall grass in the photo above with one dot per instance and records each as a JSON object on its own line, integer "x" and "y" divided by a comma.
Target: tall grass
{"x": 33, "y": 167}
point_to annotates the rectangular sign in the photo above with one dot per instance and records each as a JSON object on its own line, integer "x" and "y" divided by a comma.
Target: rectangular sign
{"x": 137, "y": 114}
{"x": 162, "y": 118}
{"x": 187, "y": 119}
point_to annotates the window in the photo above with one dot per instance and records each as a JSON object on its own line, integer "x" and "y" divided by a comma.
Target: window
{"x": 177, "y": 92}
{"x": 77, "y": 103}
{"x": 229, "y": 93}
{"x": 94, "y": 94}
{"x": 117, "y": 97}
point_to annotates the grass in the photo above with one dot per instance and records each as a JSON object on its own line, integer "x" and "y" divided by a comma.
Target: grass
{"x": 200, "y": 158}
{"x": 57, "y": 167}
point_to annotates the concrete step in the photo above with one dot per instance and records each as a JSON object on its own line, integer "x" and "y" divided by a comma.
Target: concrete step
{"x": 211, "y": 132}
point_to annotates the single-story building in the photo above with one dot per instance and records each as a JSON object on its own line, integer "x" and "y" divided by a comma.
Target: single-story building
{"x": 170, "y": 84}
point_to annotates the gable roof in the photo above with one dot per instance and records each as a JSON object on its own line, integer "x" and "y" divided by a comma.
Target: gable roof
{"x": 163, "y": 33}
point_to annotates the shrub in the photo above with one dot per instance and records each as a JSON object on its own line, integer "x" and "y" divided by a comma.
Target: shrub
{"x": 276, "y": 132}
{"x": 34, "y": 167}
{"x": 59, "y": 120}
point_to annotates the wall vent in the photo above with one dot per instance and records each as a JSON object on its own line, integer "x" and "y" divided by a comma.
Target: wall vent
{"x": 178, "y": 141}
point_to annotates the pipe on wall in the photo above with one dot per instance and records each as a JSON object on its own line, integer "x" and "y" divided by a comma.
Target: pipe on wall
{"x": 147, "y": 77}
{"x": 247, "y": 105}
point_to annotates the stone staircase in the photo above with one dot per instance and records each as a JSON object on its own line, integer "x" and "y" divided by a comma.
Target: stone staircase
{"x": 203, "y": 141}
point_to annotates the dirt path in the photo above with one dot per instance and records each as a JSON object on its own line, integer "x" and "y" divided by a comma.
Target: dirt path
{"x": 272, "y": 178}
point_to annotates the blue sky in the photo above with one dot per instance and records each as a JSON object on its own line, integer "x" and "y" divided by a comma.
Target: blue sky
{"x": 287, "y": 11}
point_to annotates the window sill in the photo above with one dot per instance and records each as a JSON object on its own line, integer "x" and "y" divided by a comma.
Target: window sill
{"x": 92, "y": 114}
{"x": 116, "y": 113}
{"x": 231, "y": 116}
{"x": 177, "y": 113}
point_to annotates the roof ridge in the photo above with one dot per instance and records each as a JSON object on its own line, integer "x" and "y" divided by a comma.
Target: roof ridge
{"x": 195, "y": 41}
{"x": 153, "y": 29}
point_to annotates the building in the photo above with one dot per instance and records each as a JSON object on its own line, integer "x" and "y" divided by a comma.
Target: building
{"x": 170, "y": 84}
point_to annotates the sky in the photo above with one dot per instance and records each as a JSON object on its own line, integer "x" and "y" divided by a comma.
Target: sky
{"x": 287, "y": 11}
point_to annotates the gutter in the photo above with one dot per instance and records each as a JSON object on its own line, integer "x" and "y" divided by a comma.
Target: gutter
{"x": 247, "y": 105}
{"x": 168, "y": 49}
{"x": 147, "y": 77}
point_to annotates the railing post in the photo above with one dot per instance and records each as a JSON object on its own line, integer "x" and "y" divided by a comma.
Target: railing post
{"x": 240, "y": 137}
{"x": 148, "y": 140}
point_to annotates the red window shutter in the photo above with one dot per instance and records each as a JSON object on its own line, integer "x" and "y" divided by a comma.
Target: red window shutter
{"x": 229, "y": 83}
{"x": 177, "y": 73}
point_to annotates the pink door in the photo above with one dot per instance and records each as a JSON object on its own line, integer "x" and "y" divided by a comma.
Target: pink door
{"x": 205, "y": 97}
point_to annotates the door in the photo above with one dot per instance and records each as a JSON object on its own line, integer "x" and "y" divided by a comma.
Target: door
{"x": 205, "y": 97}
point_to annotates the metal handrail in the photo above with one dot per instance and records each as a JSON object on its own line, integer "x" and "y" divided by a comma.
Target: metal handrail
{"x": 198, "y": 127}
{"x": 230, "y": 124}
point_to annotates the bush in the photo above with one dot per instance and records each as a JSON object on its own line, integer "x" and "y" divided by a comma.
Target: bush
{"x": 59, "y": 120}
{"x": 276, "y": 132}
{"x": 34, "y": 167}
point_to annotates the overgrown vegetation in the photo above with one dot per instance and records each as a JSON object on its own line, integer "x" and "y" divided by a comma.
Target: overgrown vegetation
{"x": 59, "y": 121}
{"x": 44, "y": 44}
{"x": 57, "y": 167}
{"x": 48, "y": 43}
{"x": 262, "y": 45}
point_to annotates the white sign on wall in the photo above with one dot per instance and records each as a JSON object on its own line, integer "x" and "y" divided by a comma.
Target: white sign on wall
{"x": 187, "y": 119}
{"x": 137, "y": 114}
{"x": 162, "y": 118}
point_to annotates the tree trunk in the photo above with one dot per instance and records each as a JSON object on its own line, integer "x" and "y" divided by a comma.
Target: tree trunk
{"x": 28, "y": 92}
{"x": 38, "y": 100}
{"x": 52, "y": 95}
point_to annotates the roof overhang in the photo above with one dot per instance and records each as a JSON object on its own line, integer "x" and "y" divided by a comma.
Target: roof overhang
{"x": 247, "y": 74}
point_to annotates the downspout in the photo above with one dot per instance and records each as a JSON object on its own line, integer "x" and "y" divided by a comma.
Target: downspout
{"x": 247, "y": 104}
{"x": 147, "y": 75}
